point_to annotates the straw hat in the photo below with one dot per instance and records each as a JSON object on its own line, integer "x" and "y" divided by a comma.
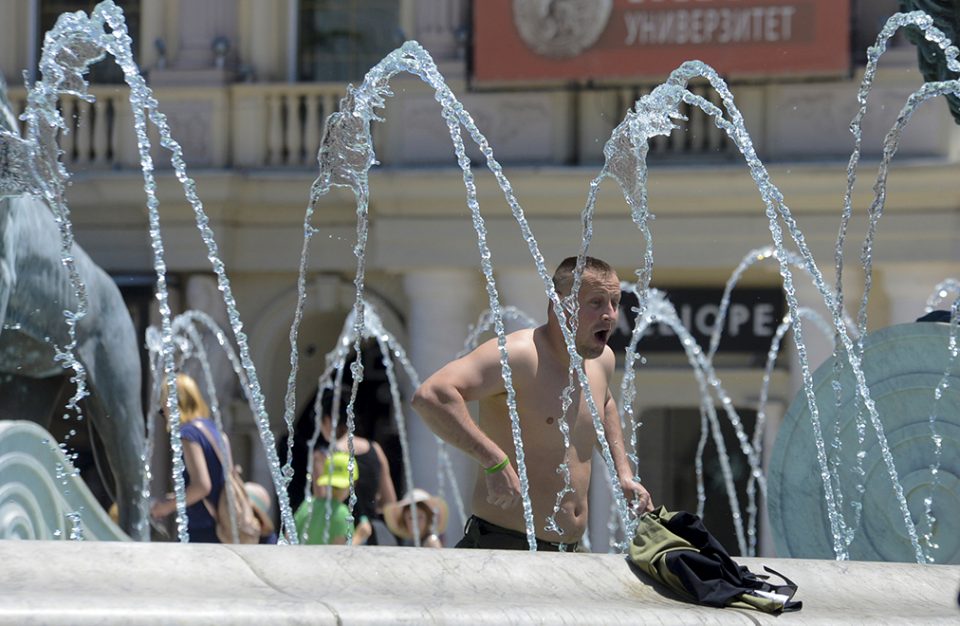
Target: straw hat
{"x": 260, "y": 499}
{"x": 393, "y": 513}
{"x": 340, "y": 478}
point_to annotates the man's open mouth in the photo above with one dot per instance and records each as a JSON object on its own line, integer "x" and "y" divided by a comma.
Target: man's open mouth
{"x": 602, "y": 335}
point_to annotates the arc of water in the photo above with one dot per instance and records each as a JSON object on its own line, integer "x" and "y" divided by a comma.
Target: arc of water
{"x": 935, "y": 437}
{"x": 64, "y": 60}
{"x": 49, "y": 174}
{"x": 660, "y": 309}
{"x": 390, "y": 349}
{"x": 751, "y": 258}
{"x": 189, "y": 344}
{"x": 558, "y": 306}
{"x": 83, "y": 40}
{"x": 90, "y": 33}
{"x": 201, "y": 355}
{"x": 336, "y": 363}
{"x": 703, "y": 363}
{"x": 443, "y": 456}
{"x": 332, "y": 444}
{"x": 873, "y": 54}
{"x": 671, "y": 94}
{"x": 453, "y": 125}
{"x": 346, "y": 155}
{"x": 928, "y": 90}
{"x": 485, "y": 322}
{"x": 890, "y": 145}
{"x": 758, "y": 430}
{"x": 650, "y": 117}
{"x": 401, "y": 427}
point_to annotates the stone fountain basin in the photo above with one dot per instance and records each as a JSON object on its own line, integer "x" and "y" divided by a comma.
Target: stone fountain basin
{"x": 57, "y": 582}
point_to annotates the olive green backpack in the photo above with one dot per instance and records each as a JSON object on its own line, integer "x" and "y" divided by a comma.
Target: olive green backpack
{"x": 677, "y": 550}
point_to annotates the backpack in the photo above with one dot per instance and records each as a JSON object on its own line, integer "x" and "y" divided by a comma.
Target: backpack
{"x": 241, "y": 510}
{"x": 676, "y": 549}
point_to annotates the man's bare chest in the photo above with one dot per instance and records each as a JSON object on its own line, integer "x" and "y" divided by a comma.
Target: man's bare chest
{"x": 543, "y": 411}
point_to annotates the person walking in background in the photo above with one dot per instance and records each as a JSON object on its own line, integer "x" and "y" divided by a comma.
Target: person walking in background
{"x": 431, "y": 518}
{"x": 202, "y": 473}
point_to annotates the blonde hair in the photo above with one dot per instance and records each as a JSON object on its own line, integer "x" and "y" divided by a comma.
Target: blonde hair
{"x": 191, "y": 402}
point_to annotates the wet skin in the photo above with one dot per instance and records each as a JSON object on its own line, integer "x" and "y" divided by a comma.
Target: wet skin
{"x": 539, "y": 362}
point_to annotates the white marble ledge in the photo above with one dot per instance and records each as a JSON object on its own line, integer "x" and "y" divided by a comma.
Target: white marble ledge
{"x": 57, "y": 582}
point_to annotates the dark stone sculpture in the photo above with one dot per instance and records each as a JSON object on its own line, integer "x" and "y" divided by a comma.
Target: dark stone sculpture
{"x": 933, "y": 65}
{"x": 35, "y": 290}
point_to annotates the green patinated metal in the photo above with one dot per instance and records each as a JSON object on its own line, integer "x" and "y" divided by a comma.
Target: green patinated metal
{"x": 933, "y": 66}
{"x": 40, "y": 490}
{"x": 903, "y": 365}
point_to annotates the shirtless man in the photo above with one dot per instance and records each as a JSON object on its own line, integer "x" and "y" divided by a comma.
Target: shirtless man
{"x": 539, "y": 362}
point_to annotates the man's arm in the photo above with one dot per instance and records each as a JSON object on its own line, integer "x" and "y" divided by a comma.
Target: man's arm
{"x": 442, "y": 403}
{"x": 633, "y": 491}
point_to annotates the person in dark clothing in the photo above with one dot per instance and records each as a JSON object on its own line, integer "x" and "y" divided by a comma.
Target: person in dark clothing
{"x": 202, "y": 473}
{"x": 374, "y": 486}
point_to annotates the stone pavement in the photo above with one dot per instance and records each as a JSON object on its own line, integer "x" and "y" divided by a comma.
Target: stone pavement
{"x": 63, "y": 582}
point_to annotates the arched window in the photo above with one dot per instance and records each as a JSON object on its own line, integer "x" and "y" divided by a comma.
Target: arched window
{"x": 339, "y": 40}
{"x": 106, "y": 71}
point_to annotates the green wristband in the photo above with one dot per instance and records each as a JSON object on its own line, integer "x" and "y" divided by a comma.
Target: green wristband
{"x": 493, "y": 469}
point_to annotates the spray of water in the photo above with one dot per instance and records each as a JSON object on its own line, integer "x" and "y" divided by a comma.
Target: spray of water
{"x": 77, "y": 41}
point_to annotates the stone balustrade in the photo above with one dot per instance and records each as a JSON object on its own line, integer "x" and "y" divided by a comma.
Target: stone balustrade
{"x": 278, "y": 125}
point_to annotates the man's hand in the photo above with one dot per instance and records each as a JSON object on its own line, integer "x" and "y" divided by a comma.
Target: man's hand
{"x": 637, "y": 497}
{"x": 503, "y": 487}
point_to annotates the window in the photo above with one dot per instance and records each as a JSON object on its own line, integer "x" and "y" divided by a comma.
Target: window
{"x": 340, "y": 40}
{"x": 106, "y": 71}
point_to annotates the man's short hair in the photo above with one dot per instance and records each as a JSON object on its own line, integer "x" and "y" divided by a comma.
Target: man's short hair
{"x": 563, "y": 276}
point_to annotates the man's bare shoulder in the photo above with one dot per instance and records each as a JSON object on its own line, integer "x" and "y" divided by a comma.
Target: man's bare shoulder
{"x": 521, "y": 347}
{"x": 608, "y": 361}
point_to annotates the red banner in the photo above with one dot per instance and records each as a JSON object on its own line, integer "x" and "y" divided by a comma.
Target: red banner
{"x": 550, "y": 41}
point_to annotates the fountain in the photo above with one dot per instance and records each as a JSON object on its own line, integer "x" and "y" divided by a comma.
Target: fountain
{"x": 345, "y": 158}
{"x": 41, "y": 283}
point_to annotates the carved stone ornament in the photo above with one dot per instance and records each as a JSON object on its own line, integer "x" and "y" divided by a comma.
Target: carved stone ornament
{"x": 561, "y": 28}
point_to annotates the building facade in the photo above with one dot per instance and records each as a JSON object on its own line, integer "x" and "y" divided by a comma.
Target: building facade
{"x": 246, "y": 86}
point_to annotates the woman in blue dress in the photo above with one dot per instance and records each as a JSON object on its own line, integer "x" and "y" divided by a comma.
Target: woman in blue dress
{"x": 203, "y": 473}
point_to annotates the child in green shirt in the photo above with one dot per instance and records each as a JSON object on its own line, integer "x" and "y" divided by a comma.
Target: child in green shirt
{"x": 311, "y": 517}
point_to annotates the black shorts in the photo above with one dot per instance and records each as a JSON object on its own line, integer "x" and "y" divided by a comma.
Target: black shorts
{"x": 479, "y": 533}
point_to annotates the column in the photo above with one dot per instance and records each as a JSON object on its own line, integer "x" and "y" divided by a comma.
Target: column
{"x": 263, "y": 31}
{"x": 442, "y": 304}
{"x": 524, "y": 289}
{"x": 441, "y": 25}
{"x": 151, "y": 28}
{"x": 201, "y": 294}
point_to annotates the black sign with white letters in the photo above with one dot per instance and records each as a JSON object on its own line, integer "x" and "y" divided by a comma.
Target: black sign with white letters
{"x": 751, "y": 321}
